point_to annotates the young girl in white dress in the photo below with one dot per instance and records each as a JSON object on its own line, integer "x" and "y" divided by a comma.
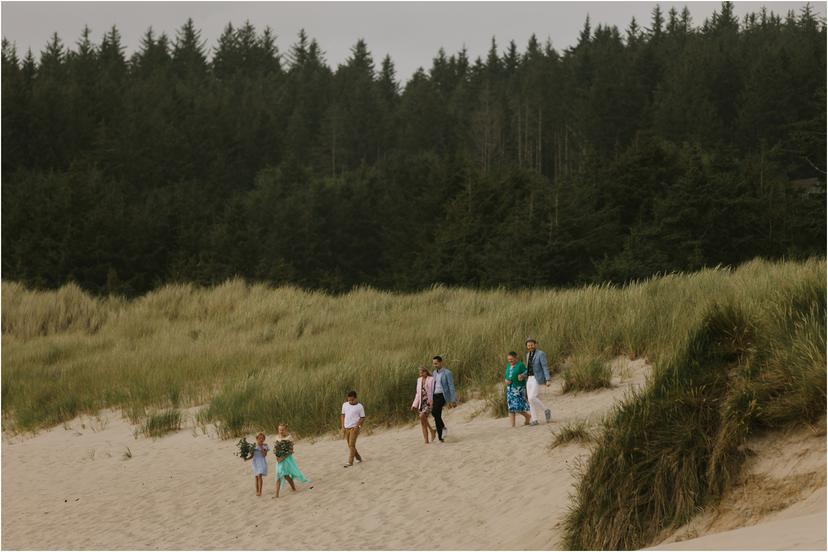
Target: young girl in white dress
{"x": 259, "y": 461}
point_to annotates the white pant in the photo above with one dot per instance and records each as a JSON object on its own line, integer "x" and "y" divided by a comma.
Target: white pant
{"x": 536, "y": 407}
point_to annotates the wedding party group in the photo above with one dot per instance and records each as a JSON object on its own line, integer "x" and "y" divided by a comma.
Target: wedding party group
{"x": 435, "y": 390}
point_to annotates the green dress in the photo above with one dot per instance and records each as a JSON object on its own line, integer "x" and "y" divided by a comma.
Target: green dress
{"x": 287, "y": 467}
{"x": 516, "y": 392}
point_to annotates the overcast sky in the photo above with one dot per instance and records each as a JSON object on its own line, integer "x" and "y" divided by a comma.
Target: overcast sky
{"x": 411, "y": 32}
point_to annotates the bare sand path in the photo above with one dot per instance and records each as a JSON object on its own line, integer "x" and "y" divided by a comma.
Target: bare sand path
{"x": 487, "y": 487}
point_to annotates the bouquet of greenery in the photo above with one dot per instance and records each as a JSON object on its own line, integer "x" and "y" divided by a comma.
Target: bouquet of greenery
{"x": 245, "y": 449}
{"x": 283, "y": 449}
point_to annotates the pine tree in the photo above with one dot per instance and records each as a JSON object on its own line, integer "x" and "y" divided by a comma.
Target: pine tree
{"x": 188, "y": 54}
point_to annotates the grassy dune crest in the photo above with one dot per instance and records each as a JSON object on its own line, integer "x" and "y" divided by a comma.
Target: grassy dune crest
{"x": 257, "y": 355}
{"x": 676, "y": 446}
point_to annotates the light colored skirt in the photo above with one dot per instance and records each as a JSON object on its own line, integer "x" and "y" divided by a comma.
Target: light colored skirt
{"x": 259, "y": 465}
{"x": 288, "y": 468}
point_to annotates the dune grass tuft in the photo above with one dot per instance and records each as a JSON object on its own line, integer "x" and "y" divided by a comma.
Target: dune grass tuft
{"x": 586, "y": 375}
{"x": 575, "y": 432}
{"x": 159, "y": 424}
{"x": 678, "y": 445}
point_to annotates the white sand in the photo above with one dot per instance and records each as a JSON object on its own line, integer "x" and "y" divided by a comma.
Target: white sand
{"x": 800, "y": 533}
{"x": 487, "y": 487}
{"x": 778, "y": 503}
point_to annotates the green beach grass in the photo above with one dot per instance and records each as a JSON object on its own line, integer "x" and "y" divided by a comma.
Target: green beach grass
{"x": 256, "y": 355}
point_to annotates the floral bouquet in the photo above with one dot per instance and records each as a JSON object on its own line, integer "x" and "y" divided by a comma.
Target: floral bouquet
{"x": 245, "y": 449}
{"x": 283, "y": 448}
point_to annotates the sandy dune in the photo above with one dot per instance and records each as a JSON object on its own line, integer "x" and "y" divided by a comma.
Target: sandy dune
{"x": 487, "y": 487}
{"x": 778, "y": 503}
{"x": 800, "y": 533}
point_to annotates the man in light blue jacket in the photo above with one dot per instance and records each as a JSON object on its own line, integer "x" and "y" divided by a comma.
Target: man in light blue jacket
{"x": 537, "y": 372}
{"x": 443, "y": 394}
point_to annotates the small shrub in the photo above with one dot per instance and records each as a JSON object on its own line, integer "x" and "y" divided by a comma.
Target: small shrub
{"x": 496, "y": 403}
{"x": 161, "y": 423}
{"x": 586, "y": 376}
{"x": 577, "y": 432}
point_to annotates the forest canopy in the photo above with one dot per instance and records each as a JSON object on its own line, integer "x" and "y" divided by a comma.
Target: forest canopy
{"x": 666, "y": 146}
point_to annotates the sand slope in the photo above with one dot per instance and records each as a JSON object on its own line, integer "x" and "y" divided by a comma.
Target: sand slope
{"x": 487, "y": 487}
{"x": 800, "y": 533}
{"x": 779, "y": 501}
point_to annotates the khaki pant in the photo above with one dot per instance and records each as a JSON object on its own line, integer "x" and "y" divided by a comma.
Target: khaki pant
{"x": 351, "y": 434}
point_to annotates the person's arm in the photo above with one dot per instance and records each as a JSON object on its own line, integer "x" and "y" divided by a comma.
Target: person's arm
{"x": 342, "y": 424}
{"x": 265, "y": 448}
{"x": 416, "y": 396}
{"x": 545, "y": 367}
{"x": 506, "y": 379}
{"x": 451, "y": 387}
{"x": 361, "y": 416}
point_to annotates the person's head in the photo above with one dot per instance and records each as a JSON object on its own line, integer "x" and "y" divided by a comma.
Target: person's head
{"x": 512, "y": 358}
{"x": 424, "y": 373}
{"x": 352, "y": 398}
{"x": 282, "y": 429}
{"x": 260, "y": 437}
{"x": 437, "y": 362}
{"x": 531, "y": 344}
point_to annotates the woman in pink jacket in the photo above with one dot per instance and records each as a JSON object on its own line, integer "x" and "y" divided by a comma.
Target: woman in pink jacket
{"x": 423, "y": 400}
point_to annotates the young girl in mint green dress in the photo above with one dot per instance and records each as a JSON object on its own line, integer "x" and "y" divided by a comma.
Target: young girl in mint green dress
{"x": 286, "y": 467}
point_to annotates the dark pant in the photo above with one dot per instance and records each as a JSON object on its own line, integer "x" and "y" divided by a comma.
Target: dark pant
{"x": 437, "y": 412}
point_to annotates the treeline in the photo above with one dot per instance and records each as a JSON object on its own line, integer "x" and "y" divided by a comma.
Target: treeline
{"x": 666, "y": 146}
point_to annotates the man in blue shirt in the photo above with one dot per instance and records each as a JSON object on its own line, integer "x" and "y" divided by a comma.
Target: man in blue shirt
{"x": 443, "y": 394}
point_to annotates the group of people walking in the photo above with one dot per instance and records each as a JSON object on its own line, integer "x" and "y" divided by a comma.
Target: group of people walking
{"x": 435, "y": 390}
{"x": 523, "y": 381}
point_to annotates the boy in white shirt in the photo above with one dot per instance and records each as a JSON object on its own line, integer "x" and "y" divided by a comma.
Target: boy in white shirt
{"x": 350, "y": 422}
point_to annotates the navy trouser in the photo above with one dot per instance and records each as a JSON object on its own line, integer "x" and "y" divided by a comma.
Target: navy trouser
{"x": 437, "y": 412}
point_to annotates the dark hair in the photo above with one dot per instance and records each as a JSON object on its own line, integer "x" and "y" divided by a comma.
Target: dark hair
{"x": 352, "y": 393}
{"x": 512, "y": 353}
{"x": 438, "y": 357}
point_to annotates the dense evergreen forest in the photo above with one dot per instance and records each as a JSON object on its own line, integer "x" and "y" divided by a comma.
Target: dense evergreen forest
{"x": 670, "y": 145}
